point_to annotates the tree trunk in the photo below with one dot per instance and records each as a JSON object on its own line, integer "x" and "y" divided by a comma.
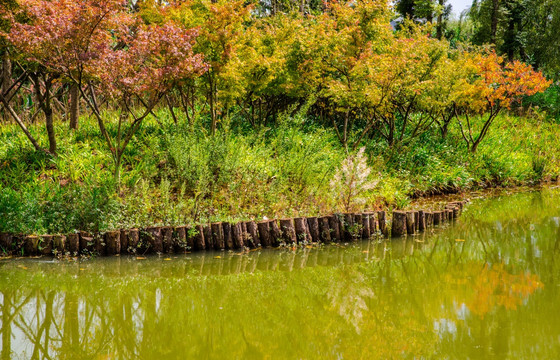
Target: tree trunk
{"x": 21, "y": 124}
{"x": 494, "y": 21}
{"x": 50, "y": 127}
{"x": 74, "y": 106}
{"x": 6, "y": 73}
{"x": 439, "y": 29}
{"x": 45, "y": 105}
{"x": 117, "y": 173}
{"x": 444, "y": 130}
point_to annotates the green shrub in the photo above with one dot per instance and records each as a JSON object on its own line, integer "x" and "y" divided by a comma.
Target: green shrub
{"x": 179, "y": 174}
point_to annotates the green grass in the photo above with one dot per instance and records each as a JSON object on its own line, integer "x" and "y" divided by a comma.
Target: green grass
{"x": 174, "y": 174}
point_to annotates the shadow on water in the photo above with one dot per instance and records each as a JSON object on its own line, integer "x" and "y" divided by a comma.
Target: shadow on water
{"x": 485, "y": 287}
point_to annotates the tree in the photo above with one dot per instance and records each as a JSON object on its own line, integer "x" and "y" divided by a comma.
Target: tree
{"x": 335, "y": 55}
{"x": 137, "y": 73}
{"x": 6, "y": 9}
{"x": 101, "y": 45}
{"x": 403, "y": 79}
{"x": 523, "y": 30}
{"x": 221, "y": 26}
{"x": 489, "y": 87}
{"x": 425, "y": 10}
{"x": 58, "y": 39}
{"x": 539, "y": 39}
{"x": 487, "y": 14}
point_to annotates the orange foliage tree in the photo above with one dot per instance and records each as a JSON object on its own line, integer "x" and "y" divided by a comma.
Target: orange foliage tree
{"x": 489, "y": 87}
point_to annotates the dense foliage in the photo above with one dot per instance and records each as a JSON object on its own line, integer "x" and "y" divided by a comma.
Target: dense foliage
{"x": 205, "y": 109}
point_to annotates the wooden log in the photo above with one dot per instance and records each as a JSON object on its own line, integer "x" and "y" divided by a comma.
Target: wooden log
{"x": 324, "y": 230}
{"x": 429, "y": 218}
{"x": 426, "y": 219}
{"x": 410, "y": 223}
{"x": 198, "y": 238}
{"x": 45, "y": 246}
{"x": 167, "y": 239}
{"x": 421, "y": 220}
{"x": 313, "y": 226}
{"x": 287, "y": 227}
{"x": 275, "y": 234}
{"x": 382, "y": 222}
{"x": 113, "y": 241}
{"x": 253, "y": 234}
{"x": 6, "y": 242}
{"x": 245, "y": 234}
{"x": 218, "y": 236}
{"x": 438, "y": 217}
{"x": 59, "y": 243}
{"x": 373, "y": 224}
{"x": 334, "y": 227}
{"x": 73, "y": 243}
{"x": 399, "y": 223}
{"x": 18, "y": 243}
{"x": 207, "y": 231}
{"x": 133, "y": 240}
{"x": 302, "y": 233}
{"x": 30, "y": 245}
{"x": 190, "y": 236}
{"x": 124, "y": 241}
{"x": 357, "y": 228}
{"x": 154, "y": 239}
{"x": 100, "y": 245}
{"x": 341, "y": 226}
{"x": 449, "y": 214}
{"x": 264, "y": 233}
{"x": 365, "y": 226}
{"x": 228, "y": 235}
{"x": 180, "y": 239}
{"x": 237, "y": 234}
{"x": 348, "y": 226}
{"x": 86, "y": 242}
{"x": 458, "y": 204}
{"x": 416, "y": 221}
{"x": 456, "y": 212}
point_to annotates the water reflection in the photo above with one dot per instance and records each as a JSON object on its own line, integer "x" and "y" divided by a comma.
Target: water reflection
{"x": 484, "y": 288}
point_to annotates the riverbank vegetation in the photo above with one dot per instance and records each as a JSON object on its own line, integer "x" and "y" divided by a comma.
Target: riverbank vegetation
{"x": 222, "y": 110}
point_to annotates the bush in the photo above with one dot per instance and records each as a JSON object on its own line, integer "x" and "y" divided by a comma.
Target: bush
{"x": 549, "y": 101}
{"x": 175, "y": 174}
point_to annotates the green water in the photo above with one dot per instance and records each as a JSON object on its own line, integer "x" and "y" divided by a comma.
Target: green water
{"x": 484, "y": 288}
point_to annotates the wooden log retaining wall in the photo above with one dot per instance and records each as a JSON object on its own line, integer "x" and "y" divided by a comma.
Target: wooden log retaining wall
{"x": 334, "y": 228}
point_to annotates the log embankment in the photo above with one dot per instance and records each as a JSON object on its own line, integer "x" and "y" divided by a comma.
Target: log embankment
{"x": 335, "y": 228}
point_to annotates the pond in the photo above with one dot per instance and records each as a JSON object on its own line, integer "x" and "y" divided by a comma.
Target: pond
{"x": 484, "y": 287}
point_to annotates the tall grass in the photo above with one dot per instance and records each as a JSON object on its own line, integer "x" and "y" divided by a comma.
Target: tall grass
{"x": 178, "y": 174}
